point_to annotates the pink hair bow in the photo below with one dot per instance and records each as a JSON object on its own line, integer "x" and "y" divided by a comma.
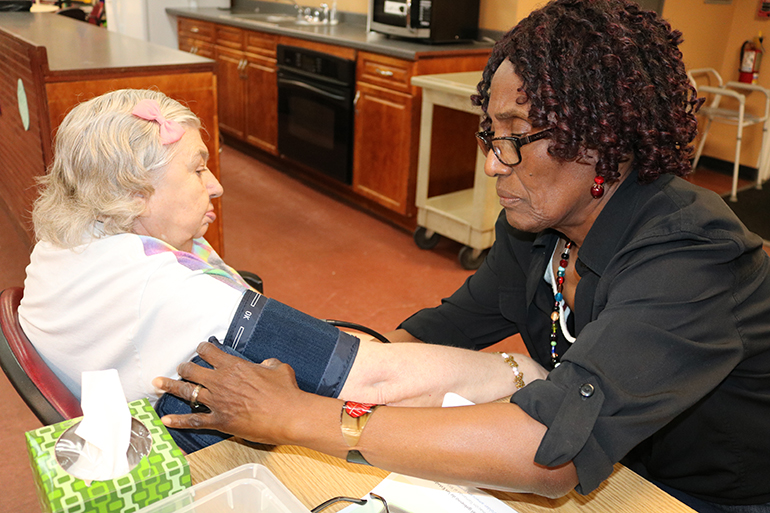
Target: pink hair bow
{"x": 170, "y": 131}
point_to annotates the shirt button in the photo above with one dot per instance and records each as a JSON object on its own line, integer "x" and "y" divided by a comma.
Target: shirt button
{"x": 586, "y": 390}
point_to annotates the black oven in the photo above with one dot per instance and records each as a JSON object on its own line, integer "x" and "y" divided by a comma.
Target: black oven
{"x": 315, "y": 110}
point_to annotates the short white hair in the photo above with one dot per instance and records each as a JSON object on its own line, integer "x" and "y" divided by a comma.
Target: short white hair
{"x": 105, "y": 162}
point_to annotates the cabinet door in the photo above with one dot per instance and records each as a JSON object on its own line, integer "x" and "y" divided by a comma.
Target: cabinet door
{"x": 231, "y": 91}
{"x": 261, "y": 103}
{"x": 384, "y": 152}
{"x": 196, "y": 46}
{"x": 204, "y": 49}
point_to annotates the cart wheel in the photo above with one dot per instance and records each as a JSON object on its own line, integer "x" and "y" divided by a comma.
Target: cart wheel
{"x": 425, "y": 241}
{"x": 470, "y": 258}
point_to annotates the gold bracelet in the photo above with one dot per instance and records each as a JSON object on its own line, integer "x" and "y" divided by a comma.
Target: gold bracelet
{"x": 518, "y": 376}
{"x": 353, "y": 419}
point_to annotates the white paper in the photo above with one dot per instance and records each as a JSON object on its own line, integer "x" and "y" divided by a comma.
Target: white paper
{"x": 406, "y": 494}
{"x": 106, "y": 428}
{"x": 452, "y": 399}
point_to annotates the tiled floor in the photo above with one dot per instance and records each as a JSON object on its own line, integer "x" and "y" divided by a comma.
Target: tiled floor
{"x": 314, "y": 253}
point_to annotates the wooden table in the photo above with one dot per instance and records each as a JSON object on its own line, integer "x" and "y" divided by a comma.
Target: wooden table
{"x": 314, "y": 477}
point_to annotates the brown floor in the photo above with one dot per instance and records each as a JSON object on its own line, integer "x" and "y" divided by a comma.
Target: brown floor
{"x": 314, "y": 253}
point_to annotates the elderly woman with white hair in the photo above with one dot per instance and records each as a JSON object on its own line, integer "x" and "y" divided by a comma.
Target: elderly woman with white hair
{"x": 121, "y": 276}
{"x": 121, "y": 258}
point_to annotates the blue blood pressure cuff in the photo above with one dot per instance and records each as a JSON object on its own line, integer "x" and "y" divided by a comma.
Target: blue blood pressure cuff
{"x": 320, "y": 354}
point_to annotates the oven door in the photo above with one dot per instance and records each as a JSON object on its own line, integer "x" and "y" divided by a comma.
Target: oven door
{"x": 315, "y": 123}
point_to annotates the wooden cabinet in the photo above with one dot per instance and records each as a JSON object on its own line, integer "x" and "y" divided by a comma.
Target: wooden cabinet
{"x": 387, "y": 132}
{"x": 196, "y": 37}
{"x": 246, "y": 78}
{"x": 385, "y": 125}
{"x": 387, "y": 113}
{"x": 231, "y": 92}
{"x": 231, "y": 80}
{"x": 248, "y": 93}
{"x": 262, "y": 91}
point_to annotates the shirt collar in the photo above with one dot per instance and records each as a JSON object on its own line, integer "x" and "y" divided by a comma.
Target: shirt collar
{"x": 607, "y": 233}
{"x": 601, "y": 243}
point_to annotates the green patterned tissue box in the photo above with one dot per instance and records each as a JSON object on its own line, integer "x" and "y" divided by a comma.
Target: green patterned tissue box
{"x": 161, "y": 471}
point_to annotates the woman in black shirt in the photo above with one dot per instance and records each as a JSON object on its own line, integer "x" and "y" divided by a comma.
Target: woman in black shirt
{"x": 644, "y": 294}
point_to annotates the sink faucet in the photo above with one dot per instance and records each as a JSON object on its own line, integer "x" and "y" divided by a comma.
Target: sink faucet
{"x": 326, "y": 15}
{"x": 330, "y": 14}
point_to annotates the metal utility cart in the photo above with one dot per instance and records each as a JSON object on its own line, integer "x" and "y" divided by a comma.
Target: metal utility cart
{"x": 467, "y": 216}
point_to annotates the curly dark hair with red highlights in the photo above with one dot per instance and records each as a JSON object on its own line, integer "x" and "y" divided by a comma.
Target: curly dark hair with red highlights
{"x": 609, "y": 77}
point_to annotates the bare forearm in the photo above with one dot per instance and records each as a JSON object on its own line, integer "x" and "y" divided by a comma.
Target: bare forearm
{"x": 491, "y": 445}
{"x": 414, "y": 374}
{"x": 401, "y": 335}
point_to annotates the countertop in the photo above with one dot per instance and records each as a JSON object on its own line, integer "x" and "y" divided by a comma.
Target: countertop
{"x": 74, "y": 46}
{"x": 347, "y": 34}
{"x": 462, "y": 84}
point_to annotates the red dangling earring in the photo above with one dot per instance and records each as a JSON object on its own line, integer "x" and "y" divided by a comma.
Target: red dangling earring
{"x": 597, "y": 189}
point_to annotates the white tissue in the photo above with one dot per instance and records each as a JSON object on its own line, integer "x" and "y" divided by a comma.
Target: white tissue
{"x": 106, "y": 428}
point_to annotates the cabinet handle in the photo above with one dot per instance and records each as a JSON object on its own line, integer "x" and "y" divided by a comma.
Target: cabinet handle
{"x": 384, "y": 72}
{"x": 195, "y": 30}
{"x": 194, "y": 50}
{"x": 355, "y": 99}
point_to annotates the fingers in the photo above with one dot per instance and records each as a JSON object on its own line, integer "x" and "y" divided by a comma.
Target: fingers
{"x": 182, "y": 389}
{"x": 189, "y": 421}
{"x": 271, "y": 363}
{"x": 212, "y": 355}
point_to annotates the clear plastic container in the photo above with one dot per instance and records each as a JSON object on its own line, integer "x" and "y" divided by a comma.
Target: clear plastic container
{"x": 250, "y": 488}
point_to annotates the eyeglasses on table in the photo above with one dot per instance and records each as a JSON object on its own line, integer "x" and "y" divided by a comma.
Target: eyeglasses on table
{"x": 360, "y": 502}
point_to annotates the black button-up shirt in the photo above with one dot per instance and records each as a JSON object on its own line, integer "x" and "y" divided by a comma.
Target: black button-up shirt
{"x": 671, "y": 366}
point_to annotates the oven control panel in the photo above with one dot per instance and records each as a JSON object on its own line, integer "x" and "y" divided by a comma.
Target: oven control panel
{"x": 320, "y": 65}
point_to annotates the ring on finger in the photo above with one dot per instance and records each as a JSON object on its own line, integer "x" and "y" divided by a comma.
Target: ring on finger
{"x": 194, "y": 397}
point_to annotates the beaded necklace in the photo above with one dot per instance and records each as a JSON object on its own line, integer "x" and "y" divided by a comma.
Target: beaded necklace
{"x": 558, "y": 309}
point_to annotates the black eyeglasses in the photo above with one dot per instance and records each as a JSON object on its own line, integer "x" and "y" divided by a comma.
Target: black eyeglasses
{"x": 507, "y": 149}
{"x": 360, "y": 502}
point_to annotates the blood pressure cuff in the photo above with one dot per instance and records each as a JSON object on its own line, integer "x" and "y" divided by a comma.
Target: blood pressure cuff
{"x": 320, "y": 354}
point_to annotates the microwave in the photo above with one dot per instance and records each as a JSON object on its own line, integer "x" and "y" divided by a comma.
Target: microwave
{"x": 433, "y": 21}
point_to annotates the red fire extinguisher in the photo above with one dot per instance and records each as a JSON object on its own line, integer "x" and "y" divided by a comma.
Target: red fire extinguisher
{"x": 751, "y": 57}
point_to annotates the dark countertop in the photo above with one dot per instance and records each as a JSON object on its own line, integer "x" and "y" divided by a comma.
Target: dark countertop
{"x": 74, "y": 46}
{"x": 348, "y": 34}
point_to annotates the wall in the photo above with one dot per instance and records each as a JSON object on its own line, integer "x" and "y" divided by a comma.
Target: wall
{"x": 713, "y": 37}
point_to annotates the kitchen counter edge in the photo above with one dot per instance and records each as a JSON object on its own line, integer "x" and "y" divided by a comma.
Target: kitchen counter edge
{"x": 352, "y": 35}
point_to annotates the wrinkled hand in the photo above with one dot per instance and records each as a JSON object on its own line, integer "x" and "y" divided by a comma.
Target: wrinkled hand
{"x": 252, "y": 401}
